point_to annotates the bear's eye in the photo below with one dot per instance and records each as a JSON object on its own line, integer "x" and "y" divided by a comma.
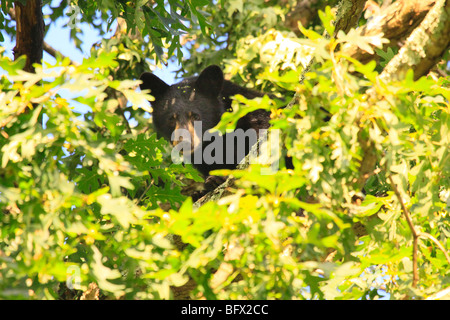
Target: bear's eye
{"x": 173, "y": 119}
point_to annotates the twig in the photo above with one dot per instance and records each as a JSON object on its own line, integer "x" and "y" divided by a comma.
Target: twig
{"x": 54, "y": 53}
{"x": 145, "y": 192}
{"x": 416, "y": 234}
{"x": 437, "y": 243}
{"x": 404, "y": 209}
{"x": 411, "y": 226}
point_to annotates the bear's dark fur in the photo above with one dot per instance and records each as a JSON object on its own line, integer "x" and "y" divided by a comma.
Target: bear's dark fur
{"x": 201, "y": 98}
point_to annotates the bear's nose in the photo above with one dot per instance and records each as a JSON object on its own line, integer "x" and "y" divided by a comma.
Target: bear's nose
{"x": 177, "y": 141}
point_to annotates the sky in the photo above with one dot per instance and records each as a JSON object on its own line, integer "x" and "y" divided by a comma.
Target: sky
{"x": 58, "y": 37}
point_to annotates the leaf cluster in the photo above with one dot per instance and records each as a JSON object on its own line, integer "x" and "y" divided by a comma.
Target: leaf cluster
{"x": 76, "y": 188}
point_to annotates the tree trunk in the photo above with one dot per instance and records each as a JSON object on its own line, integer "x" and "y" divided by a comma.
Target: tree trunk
{"x": 30, "y": 32}
{"x": 351, "y": 11}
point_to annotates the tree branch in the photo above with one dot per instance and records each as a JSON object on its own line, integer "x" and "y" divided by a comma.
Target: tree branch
{"x": 441, "y": 295}
{"x": 415, "y": 233}
{"x": 433, "y": 37}
{"x": 411, "y": 227}
{"x": 395, "y": 22}
{"x": 424, "y": 47}
{"x": 426, "y": 44}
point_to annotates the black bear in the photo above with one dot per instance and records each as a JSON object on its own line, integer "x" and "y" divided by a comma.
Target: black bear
{"x": 184, "y": 112}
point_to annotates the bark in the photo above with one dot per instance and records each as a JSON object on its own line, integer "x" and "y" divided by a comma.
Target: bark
{"x": 30, "y": 32}
{"x": 424, "y": 47}
{"x": 396, "y": 22}
{"x": 47, "y": 48}
{"x": 303, "y": 12}
{"x": 349, "y": 13}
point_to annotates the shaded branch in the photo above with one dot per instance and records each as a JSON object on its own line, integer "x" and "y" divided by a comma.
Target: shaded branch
{"x": 55, "y": 53}
{"x": 303, "y": 12}
{"x": 411, "y": 227}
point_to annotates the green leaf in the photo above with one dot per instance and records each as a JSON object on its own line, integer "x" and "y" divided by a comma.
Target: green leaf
{"x": 327, "y": 19}
{"x": 365, "y": 43}
{"x": 121, "y": 209}
{"x": 12, "y": 67}
{"x": 386, "y": 56}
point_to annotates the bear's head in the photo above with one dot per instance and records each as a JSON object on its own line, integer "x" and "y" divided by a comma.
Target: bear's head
{"x": 192, "y": 106}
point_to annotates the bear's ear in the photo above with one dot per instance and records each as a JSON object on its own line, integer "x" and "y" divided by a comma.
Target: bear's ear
{"x": 156, "y": 85}
{"x": 210, "y": 81}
